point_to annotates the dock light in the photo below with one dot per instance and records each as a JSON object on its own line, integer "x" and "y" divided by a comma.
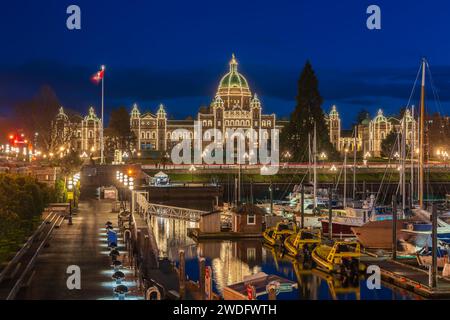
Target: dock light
{"x": 323, "y": 155}
{"x": 138, "y": 154}
{"x": 333, "y": 168}
{"x": 192, "y": 168}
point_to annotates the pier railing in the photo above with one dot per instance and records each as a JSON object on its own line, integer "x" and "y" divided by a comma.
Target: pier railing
{"x": 165, "y": 211}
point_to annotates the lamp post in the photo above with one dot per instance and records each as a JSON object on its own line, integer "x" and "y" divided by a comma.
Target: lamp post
{"x": 192, "y": 169}
{"x": 70, "y": 188}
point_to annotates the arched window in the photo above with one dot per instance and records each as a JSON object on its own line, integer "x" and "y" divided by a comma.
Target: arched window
{"x": 204, "y": 123}
{"x": 168, "y": 135}
{"x": 264, "y": 123}
{"x": 247, "y": 123}
{"x": 91, "y": 134}
{"x": 142, "y": 135}
{"x": 242, "y": 122}
{"x": 227, "y": 123}
{"x": 153, "y": 135}
{"x": 269, "y": 123}
{"x": 207, "y": 135}
{"x": 210, "y": 123}
{"x": 382, "y": 135}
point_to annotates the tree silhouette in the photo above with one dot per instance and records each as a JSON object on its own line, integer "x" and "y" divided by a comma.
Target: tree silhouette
{"x": 308, "y": 110}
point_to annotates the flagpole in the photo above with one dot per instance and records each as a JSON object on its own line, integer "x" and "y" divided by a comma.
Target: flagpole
{"x": 102, "y": 159}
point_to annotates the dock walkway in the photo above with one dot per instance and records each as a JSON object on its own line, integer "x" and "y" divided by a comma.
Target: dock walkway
{"x": 82, "y": 244}
{"x": 411, "y": 278}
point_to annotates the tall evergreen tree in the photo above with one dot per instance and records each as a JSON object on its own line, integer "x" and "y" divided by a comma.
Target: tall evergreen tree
{"x": 119, "y": 132}
{"x": 308, "y": 110}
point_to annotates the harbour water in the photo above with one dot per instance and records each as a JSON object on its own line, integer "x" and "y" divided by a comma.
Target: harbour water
{"x": 231, "y": 261}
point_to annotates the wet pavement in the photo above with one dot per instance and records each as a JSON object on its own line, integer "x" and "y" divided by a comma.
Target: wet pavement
{"x": 82, "y": 244}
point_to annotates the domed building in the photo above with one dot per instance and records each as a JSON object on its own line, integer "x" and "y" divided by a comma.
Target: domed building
{"x": 234, "y": 106}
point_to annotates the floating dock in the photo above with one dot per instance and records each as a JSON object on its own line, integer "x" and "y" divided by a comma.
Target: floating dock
{"x": 410, "y": 278}
{"x": 223, "y": 235}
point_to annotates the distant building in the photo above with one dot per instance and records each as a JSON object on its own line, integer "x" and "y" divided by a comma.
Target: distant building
{"x": 234, "y": 106}
{"x": 369, "y": 133}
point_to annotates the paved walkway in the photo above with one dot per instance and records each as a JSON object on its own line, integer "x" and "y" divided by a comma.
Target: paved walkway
{"x": 82, "y": 244}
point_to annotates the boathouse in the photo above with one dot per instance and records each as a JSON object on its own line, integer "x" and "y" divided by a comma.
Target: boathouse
{"x": 247, "y": 218}
{"x": 210, "y": 222}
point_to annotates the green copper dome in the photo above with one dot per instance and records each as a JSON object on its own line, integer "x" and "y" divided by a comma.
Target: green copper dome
{"x": 233, "y": 79}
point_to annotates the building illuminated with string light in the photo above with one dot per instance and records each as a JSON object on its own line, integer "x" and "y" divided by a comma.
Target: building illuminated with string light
{"x": 370, "y": 133}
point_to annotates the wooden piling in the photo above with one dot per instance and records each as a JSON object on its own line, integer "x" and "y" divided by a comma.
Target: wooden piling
{"x": 394, "y": 227}
{"x": 435, "y": 247}
{"x": 182, "y": 274}
{"x": 330, "y": 213}
{"x": 201, "y": 279}
{"x": 302, "y": 208}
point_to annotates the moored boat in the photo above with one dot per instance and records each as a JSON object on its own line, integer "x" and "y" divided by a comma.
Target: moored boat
{"x": 342, "y": 257}
{"x": 276, "y": 235}
{"x": 304, "y": 241}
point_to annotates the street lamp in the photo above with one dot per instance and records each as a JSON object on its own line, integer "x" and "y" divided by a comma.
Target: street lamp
{"x": 192, "y": 169}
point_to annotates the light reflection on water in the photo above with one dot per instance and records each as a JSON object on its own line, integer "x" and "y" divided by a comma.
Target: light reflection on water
{"x": 231, "y": 261}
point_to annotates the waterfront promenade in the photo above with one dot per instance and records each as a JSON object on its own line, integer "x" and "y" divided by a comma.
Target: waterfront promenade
{"x": 80, "y": 244}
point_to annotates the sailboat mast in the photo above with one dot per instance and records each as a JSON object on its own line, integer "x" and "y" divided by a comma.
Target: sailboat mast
{"x": 345, "y": 178}
{"x": 354, "y": 162}
{"x": 309, "y": 157}
{"x": 315, "y": 164}
{"x": 422, "y": 137}
{"x": 403, "y": 162}
{"x": 413, "y": 149}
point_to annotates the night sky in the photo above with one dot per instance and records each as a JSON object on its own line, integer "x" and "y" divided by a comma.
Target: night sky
{"x": 175, "y": 52}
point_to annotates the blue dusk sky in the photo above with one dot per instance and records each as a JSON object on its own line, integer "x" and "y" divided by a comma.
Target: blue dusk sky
{"x": 175, "y": 52}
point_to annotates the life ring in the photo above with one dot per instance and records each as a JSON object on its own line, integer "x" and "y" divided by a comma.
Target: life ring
{"x": 150, "y": 291}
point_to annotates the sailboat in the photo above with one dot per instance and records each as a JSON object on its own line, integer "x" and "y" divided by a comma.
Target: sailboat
{"x": 378, "y": 234}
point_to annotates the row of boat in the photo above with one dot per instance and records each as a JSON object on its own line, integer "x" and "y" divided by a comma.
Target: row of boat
{"x": 340, "y": 256}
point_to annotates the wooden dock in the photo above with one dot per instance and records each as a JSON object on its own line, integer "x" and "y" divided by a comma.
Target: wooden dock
{"x": 411, "y": 278}
{"x": 195, "y": 234}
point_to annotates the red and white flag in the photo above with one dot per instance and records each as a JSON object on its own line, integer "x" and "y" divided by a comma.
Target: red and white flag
{"x": 98, "y": 75}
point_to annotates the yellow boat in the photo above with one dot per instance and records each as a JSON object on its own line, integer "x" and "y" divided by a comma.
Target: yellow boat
{"x": 276, "y": 235}
{"x": 302, "y": 242}
{"x": 342, "y": 257}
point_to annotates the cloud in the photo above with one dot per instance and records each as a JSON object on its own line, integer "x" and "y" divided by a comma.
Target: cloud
{"x": 193, "y": 86}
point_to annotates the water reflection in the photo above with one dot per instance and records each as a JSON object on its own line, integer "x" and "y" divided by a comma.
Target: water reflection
{"x": 231, "y": 261}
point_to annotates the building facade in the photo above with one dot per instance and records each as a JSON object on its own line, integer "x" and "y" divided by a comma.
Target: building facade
{"x": 234, "y": 106}
{"x": 368, "y": 135}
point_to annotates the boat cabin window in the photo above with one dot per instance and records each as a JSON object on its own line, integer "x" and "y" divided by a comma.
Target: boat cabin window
{"x": 251, "y": 219}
